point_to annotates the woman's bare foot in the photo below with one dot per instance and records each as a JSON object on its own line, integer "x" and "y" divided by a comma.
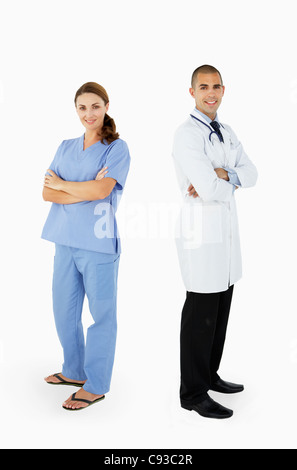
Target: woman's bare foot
{"x": 53, "y": 379}
{"x": 80, "y": 395}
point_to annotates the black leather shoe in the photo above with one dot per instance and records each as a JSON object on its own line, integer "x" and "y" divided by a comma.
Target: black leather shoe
{"x": 210, "y": 409}
{"x": 226, "y": 387}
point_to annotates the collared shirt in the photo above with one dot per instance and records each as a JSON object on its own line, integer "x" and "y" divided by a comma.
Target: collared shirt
{"x": 205, "y": 117}
{"x": 232, "y": 175}
{"x": 89, "y": 225}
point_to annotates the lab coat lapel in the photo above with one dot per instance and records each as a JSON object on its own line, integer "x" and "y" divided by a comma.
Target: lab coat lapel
{"x": 200, "y": 121}
{"x": 227, "y": 146}
{"x": 213, "y": 147}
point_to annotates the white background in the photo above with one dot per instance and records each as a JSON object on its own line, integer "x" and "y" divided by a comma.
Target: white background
{"x": 144, "y": 53}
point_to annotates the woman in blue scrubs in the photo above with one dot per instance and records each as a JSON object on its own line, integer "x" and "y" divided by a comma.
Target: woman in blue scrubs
{"x": 84, "y": 183}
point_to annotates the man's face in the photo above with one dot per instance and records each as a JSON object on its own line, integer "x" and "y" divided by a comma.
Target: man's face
{"x": 208, "y": 92}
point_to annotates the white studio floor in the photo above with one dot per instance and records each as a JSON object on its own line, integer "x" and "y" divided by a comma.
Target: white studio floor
{"x": 142, "y": 409}
{"x": 32, "y": 417}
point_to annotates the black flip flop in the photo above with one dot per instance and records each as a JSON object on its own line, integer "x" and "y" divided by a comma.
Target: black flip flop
{"x": 64, "y": 382}
{"x": 84, "y": 401}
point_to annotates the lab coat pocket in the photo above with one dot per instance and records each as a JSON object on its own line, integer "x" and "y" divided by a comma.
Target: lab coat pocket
{"x": 188, "y": 230}
{"x": 212, "y": 223}
{"x": 232, "y": 154}
{"x": 106, "y": 280}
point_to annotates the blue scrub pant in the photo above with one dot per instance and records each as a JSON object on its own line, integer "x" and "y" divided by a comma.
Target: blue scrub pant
{"x": 78, "y": 273}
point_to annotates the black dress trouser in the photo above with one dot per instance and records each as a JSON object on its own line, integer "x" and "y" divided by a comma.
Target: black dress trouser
{"x": 203, "y": 331}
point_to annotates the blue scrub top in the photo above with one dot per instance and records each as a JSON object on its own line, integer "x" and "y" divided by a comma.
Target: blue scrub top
{"x": 89, "y": 225}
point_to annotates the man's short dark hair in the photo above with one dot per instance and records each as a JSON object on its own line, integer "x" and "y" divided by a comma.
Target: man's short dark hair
{"x": 204, "y": 69}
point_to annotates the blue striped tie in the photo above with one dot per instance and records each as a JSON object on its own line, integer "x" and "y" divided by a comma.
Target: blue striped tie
{"x": 216, "y": 126}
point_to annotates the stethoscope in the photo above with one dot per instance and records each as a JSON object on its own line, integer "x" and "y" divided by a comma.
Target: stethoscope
{"x": 212, "y": 131}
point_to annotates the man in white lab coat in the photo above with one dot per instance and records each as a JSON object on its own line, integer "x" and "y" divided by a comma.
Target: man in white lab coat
{"x": 210, "y": 165}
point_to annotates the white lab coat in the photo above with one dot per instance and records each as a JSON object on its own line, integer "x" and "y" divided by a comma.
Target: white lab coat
{"x": 207, "y": 235}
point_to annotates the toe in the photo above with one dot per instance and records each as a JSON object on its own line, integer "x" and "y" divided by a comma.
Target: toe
{"x": 50, "y": 378}
{"x": 67, "y": 402}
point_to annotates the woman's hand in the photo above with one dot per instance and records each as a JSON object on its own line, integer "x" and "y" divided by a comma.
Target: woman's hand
{"x": 53, "y": 181}
{"x": 101, "y": 174}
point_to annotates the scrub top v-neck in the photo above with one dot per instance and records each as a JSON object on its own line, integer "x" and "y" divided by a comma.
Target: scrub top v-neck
{"x": 83, "y": 152}
{"x": 89, "y": 225}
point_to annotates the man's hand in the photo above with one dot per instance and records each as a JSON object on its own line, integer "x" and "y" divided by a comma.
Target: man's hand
{"x": 192, "y": 191}
{"x": 221, "y": 173}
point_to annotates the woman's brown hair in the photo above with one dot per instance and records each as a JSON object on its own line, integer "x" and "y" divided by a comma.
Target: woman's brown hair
{"x": 108, "y": 132}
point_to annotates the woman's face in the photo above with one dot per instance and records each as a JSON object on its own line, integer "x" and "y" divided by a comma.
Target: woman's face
{"x": 91, "y": 110}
